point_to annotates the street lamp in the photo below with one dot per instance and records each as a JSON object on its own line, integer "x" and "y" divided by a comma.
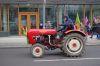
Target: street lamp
{"x": 44, "y": 4}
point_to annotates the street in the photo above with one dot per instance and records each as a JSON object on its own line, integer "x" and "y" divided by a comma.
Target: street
{"x": 37, "y": 27}
{"x": 22, "y": 57}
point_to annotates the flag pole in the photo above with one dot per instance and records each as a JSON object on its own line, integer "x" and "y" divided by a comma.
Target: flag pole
{"x": 44, "y": 5}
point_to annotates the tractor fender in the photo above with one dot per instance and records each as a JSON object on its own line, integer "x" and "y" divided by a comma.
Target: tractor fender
{"x": 75, "y": 31}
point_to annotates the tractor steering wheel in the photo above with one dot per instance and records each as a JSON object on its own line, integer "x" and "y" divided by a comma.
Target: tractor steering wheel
{"x": 62, "y": 28}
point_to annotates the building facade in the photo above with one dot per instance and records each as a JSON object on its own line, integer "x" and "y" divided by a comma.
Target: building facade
{"x": 17, "y": 14}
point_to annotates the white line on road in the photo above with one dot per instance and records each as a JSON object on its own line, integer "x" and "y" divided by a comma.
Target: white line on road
{"x": 67, "y": 59}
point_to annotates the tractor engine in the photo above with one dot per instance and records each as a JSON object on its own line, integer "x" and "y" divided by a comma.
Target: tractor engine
{"x": 41, "y": 36}
{"x": 45, "y": 39}
{"x": 49, "y": 39}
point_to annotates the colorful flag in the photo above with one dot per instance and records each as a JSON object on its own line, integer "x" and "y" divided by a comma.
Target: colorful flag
{"x": 86, "y": 21}
{"x": 77, "y": 22}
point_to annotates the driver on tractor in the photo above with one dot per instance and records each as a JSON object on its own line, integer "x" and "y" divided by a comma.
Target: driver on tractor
{"x": 67, "y": 25}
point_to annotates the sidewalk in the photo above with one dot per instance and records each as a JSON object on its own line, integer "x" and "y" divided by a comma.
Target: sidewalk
{"x": 13, "y": 41}
{"x": 20, "y": 41}
{"x": 93, "y": 41}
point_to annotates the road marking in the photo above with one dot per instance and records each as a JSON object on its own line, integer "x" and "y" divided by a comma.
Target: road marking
{"x": 67, "y": 59}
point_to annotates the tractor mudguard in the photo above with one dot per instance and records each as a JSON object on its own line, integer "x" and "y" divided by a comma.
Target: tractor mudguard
{"x": 75, "y": 31}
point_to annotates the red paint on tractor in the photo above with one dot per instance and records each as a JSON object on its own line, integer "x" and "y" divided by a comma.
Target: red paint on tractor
{"x": 32, "y": 33}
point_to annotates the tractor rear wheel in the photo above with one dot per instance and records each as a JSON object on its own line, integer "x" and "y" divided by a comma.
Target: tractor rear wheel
{"x": 74, "y": 44}
{"x": 37, "y": 50}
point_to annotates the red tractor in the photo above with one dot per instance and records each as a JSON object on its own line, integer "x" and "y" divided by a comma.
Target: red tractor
{"x": 72, "y": 43}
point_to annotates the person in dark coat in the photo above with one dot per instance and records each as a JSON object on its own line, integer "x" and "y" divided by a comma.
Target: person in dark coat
{"x": 67, "y": 25}
{"x": 95, "y": 28}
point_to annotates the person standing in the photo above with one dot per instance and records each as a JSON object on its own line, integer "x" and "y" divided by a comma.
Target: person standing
{"x": 48, "y": 25}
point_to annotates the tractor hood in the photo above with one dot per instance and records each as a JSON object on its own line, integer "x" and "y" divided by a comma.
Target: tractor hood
{"x": 42, "y": 32}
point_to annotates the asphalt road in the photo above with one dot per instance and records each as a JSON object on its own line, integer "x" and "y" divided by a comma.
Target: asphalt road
{"x": 22, "y": 57}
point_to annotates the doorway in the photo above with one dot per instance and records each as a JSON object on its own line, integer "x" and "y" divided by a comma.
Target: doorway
{"x": 27, "y": 20}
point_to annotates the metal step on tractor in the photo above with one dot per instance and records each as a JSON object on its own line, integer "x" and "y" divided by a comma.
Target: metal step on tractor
{"x": 72, "y": 43}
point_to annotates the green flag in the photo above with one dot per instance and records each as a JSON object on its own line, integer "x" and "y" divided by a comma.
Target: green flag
{"x": 77, "y": 22}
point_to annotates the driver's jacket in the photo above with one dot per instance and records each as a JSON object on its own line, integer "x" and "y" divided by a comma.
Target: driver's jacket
{"x": 66, "y": 24}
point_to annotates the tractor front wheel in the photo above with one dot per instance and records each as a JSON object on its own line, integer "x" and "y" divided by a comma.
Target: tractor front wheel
{"x": 74, "y": 44}
{"x": 37, "y": 50}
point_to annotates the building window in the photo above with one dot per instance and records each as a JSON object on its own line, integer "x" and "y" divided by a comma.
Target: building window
{"x": 96, "y": 10}
{"x": 13, "y": 18}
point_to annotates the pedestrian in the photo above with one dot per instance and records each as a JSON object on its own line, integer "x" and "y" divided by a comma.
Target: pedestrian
{"x": 82, "y": 26}
{"x": 41, "y": 25}
{"x": 95, "y": 27}
{"x": 48, "y": 24}
{"x": 98, "y": 22}
{"x": 24, "y": 30}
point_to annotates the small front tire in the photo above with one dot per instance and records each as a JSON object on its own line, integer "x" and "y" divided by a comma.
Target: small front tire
{"x": 37, "y": 50}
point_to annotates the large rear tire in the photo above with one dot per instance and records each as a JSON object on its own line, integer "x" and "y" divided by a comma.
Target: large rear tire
{"x": 37, "y": 50}
{"x": 74, "y": 45}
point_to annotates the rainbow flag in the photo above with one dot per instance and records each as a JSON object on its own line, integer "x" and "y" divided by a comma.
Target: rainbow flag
{"x": 77, "y": 22}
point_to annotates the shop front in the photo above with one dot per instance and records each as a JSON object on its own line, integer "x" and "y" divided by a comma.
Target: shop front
{"x": 18, "y": 14}
{"x": 27, "y": 20}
